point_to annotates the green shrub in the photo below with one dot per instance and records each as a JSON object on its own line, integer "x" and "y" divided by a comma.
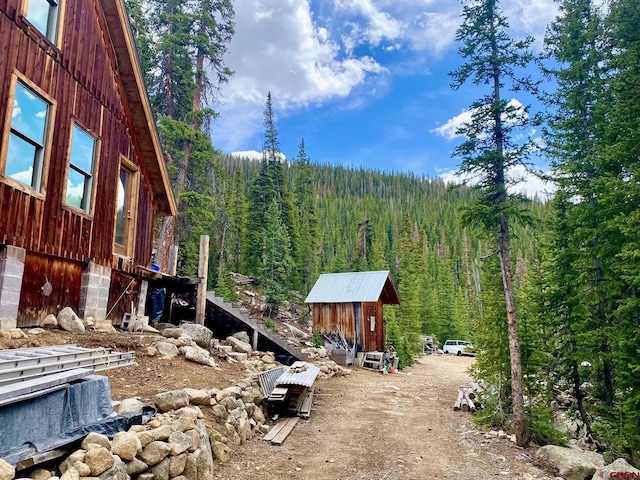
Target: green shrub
{"x": 270, "y": 324}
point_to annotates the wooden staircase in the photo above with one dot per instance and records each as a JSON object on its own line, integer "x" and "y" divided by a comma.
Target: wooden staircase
{"x": 373, "y": 360}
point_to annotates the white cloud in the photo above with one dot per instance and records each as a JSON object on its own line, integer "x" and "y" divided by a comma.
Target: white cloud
{"x": 450, "y": 128}
{"x": 307, "y": 59}
{"x": 255, "y": 155}
{"x": 523, "y": 182}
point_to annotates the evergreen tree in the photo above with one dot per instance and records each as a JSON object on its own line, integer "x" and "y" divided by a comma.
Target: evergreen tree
{"x": 492, "y": 59}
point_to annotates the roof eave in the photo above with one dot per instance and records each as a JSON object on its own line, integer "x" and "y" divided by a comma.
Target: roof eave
{"x": 136, "y": 95}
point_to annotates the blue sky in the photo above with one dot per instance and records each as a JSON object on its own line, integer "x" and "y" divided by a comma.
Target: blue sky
{"x": 364, "y": 82}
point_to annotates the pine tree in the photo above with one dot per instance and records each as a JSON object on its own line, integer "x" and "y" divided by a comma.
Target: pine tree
{"x": 491, "y": 59}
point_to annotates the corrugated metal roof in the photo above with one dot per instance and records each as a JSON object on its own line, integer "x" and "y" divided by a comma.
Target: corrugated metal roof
{"x": 300, "y": 373}
{"x": 349, "y": 287}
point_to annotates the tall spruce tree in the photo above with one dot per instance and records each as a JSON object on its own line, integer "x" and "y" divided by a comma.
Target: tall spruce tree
{"x": 493, "y": 59}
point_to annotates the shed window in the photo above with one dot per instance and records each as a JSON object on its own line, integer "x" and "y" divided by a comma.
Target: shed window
{"x": 43, "y": 14}
{"x": 26, "y": 148}
{"x": 81, "y": 165}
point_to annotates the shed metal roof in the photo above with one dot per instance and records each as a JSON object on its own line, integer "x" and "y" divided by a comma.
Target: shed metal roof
{"x": 354, "y": 287}
{"x": 300, "y": 373}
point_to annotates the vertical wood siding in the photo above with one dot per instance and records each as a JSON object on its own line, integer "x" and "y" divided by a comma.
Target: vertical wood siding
{"x": 82, "y": 79}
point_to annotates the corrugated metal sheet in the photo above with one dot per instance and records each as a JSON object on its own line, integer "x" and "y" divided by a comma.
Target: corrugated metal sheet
{"x": 348, "y": 287}
{"x": 300, "y": 373}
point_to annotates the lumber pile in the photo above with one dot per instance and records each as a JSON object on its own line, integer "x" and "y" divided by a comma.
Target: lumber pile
{"x": 466, "y": 395}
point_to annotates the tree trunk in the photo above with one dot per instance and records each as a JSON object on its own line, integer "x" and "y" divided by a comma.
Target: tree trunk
{"x": 517, "y": 398}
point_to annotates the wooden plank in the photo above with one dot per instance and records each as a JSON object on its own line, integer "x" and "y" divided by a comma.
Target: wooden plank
{"x": 276, "y": 429}
{"x": 285, "y": 431}
{"x": 307, "y": 403}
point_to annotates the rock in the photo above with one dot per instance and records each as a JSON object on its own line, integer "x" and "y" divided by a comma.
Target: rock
{"x": 69, "y": 321}
{"x": 239, "y": 345}
{"x": 220, "y": 411}
{"x": 161, "y": 433}
{"x": 205, "y": 460}
{"x": 70, "y": 474}
{"x": 620, "y": 465}
{"x": 89, "y": 322}
{"x": 117, "y": 472}
{"x": 36, "y": 331}
{"x": 221, "y": 451}
{"x": 161, "y": 470}
{"x": 96, "y": 438}
{"x": 258, "y": 415}
{"x": 77, "y": 456}
{"x": 49, "y": 322}
{"x": 230, "y": 403}
{"x": 16, "y": 334}
{"x": 82, "y": 469}
{"x": 7, "y": 471}
{"x": 235, "y": 392}
{"x": 239, "y": 356}
{"x": 40, "y": 474}
{"x": 199, "y": 355}
{"x": 105, "y": 326}
{"x": 191, "y": 468}
{"x": 172, "y": 332}
{"x": 199, "y": 333}
{"x": 155, "y": 452}
{"x": 129, "y": 405}
{"x": 126, "y": 445}
{"x": 136, "y": 466}
{"x": 180, "y": 442}
{"x": 171, "y": 400}
{"x": 572, "y": 463}
{"x": 244, "y": 430}
{"x": 99, "y": 460}
{"x": 242, "y": 336}
{"x": 198, "y": 397}
{"x": 177, "y": 465}
{"x": 167, "y": 349}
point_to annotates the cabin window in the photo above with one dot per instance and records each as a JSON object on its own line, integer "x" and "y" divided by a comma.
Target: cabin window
{"x": 43, "y": 14}
{"x": 27, "y": 137}
{"x": 127, "y": 193}
{"x": 81, "y": 165}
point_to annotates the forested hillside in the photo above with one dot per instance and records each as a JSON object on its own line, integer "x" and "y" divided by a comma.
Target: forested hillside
{"x": 549, "y": 293}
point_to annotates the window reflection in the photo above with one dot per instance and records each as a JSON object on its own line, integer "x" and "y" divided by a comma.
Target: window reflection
{"x": 27, "y": 137}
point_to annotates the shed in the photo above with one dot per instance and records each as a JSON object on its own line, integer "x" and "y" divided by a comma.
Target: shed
{"x": 350, "y": 305}
{"x": 82, "y": 175}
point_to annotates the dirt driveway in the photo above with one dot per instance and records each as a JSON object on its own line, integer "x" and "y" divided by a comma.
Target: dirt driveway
{"x": 369, "y": 426}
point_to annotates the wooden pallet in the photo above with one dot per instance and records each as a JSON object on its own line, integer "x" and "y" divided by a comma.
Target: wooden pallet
{"x": 373, "y": 360}
{"x": 281, "y": 430}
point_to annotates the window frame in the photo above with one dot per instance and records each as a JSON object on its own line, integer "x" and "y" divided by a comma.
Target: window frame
{"x": 89, "y": 190}
{"x": 40, "y": 189}
{"x": 54, "y": 20}
{"x": 126, "y": 249}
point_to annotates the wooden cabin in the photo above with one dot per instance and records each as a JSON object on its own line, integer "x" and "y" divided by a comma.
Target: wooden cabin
{"x": 350, "y": 306}
{"x": 82, "y": 176}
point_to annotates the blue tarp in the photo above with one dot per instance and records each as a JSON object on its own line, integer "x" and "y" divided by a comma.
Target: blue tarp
{"x": 58, "y": 418}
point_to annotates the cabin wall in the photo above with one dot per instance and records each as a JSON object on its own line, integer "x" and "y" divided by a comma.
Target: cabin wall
{"x": 81, "y": 79}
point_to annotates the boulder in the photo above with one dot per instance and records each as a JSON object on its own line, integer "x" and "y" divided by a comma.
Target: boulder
{"x": 155, "y": 452}
{"x": 126, "y": 445}
{"x": 171, "y": 400}
{"x": 117, "y": 472}
{"x": 199, "y": 333}
{"x": 96, "y": 438}
{"x": 40, "y": 474}
{"x": 167, "y": 349}
{"x": 49, "y": 322}
{"x": 572, "y": 463}
{"x": 130, "y": 405}
{"x": 198, "y": 397}
{"x": 69, "y": 321}
{"x": 36, "y": 331}
{"x": 235, "y": 392}
{"x": 136, "y": 466}
{"x": 619, "y": 466}
{"x": 161, "y": 470}
{"x": 221, "y": 451}
{"x": 82, "y": 468}
{"x": 7, "y": 471}
{"x": 180, "y": 442}
{"x": 99, "y": 460}
{"x": 70, "y": 474}
{"x": 172, "y": 332}
{"x": 242, "y": 336}
{"x": 177, "y": 465}
{"x": 199, "y": 355}
{"x": 239, "y": 345}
